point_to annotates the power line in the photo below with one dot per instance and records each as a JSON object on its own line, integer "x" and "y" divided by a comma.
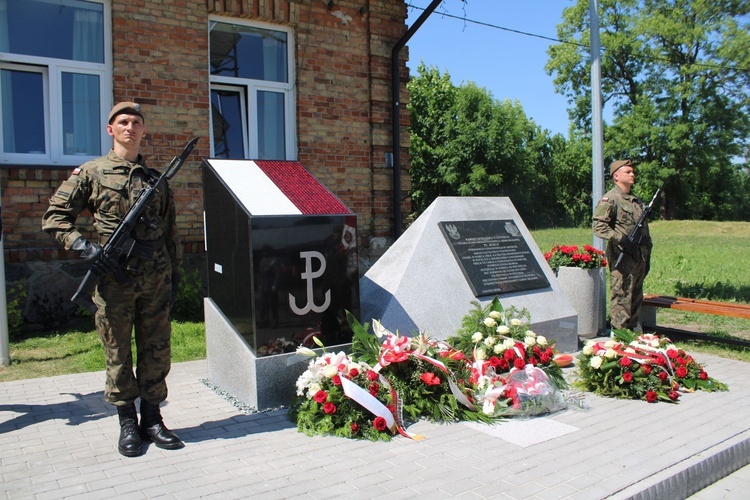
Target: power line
{"x": 577, "y": 44}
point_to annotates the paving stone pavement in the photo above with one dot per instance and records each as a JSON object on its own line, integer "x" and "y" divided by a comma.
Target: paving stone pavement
{"x": 58, "y": 440}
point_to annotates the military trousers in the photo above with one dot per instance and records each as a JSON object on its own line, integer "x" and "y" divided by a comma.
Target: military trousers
{"x": 626, "y": 288}
{"x": 137, "y": 310}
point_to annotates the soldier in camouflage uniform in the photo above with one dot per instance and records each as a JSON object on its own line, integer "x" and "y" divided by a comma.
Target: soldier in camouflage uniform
{"x": 107, "y": 187}
{"x": 615, "y": 216}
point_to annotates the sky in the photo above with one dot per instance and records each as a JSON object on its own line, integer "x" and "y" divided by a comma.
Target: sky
{"x": 508, "y": 64}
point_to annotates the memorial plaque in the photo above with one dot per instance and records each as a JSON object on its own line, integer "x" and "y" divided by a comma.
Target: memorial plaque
{"x": 493, "y": 256}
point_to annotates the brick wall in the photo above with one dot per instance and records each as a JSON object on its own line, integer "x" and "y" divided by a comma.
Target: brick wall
{"x": 160, "y": 53}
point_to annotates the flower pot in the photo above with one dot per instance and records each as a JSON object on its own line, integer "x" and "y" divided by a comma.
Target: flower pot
{"x": 583, "y": 288}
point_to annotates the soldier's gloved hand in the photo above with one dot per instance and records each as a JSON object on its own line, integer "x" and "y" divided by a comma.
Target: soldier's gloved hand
{"x": 89, "y": 251}
{"x": 628, "y": 246}
{"x": 175, "y": 289}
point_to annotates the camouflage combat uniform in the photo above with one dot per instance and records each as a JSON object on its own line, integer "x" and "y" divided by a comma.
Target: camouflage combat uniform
{"x": 615, "y": 216}
{"x": 107, "y": 187}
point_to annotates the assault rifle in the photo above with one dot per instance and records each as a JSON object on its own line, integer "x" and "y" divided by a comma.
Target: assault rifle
{"x": 636, "y": 235}
{"x": 121, "y": 245}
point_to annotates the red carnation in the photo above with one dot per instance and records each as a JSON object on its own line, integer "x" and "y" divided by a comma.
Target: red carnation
{"x": 625, "y": 361}
{"x": 372, "y": 375}
{"x": 519, "y": 363}
{"x": 380, "y": 424}
{"x": 663, "y": 376}
{"x": 509, "y": 354}
{"x": 353, "y": 372}
{"x": 374, "y": 388}
{"x": 430, "y": 378}
{"x": 627, "y": 377}
{"x": 336, "y": 379}
{"x": 646, "y": 369}
{"x": 703, "y": 375}
{"x": 673, "y": 395}
{"x": 672, "y": 353}
{"x": 320, "y": 396}
{"x": 544, "y": 358}
{"x": 652, "y": 397}
{"x": 681, "y": 372}
{"x": 329, "y": 408}
{"x": 354, "y": 427}
{"x": 494, "y": 361}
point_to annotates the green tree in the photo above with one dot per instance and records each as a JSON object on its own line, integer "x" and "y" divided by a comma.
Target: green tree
{"x": 465, "y": 143}
{"x": 676, "y": 75}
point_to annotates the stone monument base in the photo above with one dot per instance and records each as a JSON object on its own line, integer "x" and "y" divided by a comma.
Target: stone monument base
{"x": 417, "y": 285}
{"x": 262, "y": 383}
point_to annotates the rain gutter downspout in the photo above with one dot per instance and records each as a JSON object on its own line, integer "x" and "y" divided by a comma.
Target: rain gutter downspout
{"x": 396, "y": 132}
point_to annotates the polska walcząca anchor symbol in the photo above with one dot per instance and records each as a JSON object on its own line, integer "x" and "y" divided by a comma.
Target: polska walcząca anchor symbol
{"x": 310, "y": 275}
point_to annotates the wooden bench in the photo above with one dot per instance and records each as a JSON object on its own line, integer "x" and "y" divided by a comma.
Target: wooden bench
{"x": 696, "y": 305}
{"x": 652, "y": 302}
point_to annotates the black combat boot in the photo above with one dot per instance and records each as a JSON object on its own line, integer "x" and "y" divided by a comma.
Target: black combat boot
{"x": 153, "y": 428}
{"x": 130, "y": 439}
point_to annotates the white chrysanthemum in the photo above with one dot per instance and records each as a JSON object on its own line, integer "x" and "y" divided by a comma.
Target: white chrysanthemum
{"x": 498, "y": 348}
{"x": 654, "y": 343}
{"x": 480, "y": 354}
{"x": 477, "y": 337}
{"x": 529, "y": 333}
{"x": 516, "y": 322}
{"x": 529, "y": 341}
{"x": 509, "y": 343}
{"x": 503, "y": 330}
{"x": 483, "y": 383}
{"x": 488, "y": 407}
{"x": 490, "y": 341}
{"x": 610, "y": 344}
{"x": 588, "y": 349}
{"x": 596, "y": 362}
{"x": 610, "y": 354}
{"x": 495, "y": 315}
{"x": 541, "y": 340}
{"x": 490, "y": 323}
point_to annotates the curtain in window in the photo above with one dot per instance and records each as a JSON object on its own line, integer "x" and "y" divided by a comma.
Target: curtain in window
{"x": 83, "y": 136}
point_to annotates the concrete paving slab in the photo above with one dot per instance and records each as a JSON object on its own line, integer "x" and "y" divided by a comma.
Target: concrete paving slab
{"x": 58, "y": 440}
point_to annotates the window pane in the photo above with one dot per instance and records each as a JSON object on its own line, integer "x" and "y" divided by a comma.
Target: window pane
{"x": 65, "y": 29}
{"x": 247, "y": 52}
{"x": 81, "y": 125}
{"x": 271, "y": 126}
{"x": 23, "y": 111}
{"x": 226, "y": 120}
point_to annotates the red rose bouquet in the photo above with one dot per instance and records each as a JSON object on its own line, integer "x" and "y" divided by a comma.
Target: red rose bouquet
{"x": 586, "y": 257}
{"x": 647, "y": 367}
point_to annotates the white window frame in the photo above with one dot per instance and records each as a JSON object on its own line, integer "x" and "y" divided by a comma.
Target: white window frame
{"x": 52, "y": 70}
{"x": 252, "y": 87}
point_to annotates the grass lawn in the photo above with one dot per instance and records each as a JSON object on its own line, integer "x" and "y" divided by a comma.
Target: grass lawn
{"x": 696, "y": 259}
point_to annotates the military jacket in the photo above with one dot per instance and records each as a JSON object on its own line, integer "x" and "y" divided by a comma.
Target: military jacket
{"x": 107, "y": 187}
{"x": 615, "y": 216}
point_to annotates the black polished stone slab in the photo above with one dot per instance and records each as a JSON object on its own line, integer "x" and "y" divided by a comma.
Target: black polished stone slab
{"x": 493, "y": 256}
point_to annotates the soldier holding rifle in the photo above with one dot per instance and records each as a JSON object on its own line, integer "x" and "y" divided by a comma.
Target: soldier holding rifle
{"x": 134, "y": 292}
{"x": 620, "y": 218}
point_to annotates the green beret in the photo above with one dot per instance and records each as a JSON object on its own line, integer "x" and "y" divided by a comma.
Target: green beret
{"x": 128, "y": 108}
{"x": 617, "y": 165}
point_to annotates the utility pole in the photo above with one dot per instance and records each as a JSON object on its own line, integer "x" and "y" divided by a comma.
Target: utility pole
{"x": 597, "y": 143}
{"x": 4, "y": 337}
